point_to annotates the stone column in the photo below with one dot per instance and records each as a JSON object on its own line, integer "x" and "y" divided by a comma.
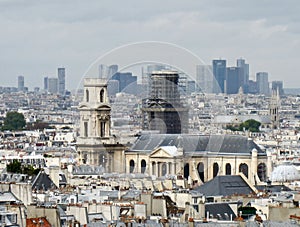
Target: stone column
{"x": 167, "y": 168}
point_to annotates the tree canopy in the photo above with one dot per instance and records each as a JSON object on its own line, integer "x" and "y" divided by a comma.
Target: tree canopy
{"x": 16, "y": 167}
{"x": 14, "y": 121}
{"x": 249, "y": 125}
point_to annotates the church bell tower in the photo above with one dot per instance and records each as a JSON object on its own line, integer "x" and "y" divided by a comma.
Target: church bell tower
{"x": 95, "y": 123}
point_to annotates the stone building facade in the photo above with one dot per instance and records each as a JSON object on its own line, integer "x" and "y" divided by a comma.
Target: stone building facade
{"x": 198, "y": 157}
{"x": 95, "y": 144}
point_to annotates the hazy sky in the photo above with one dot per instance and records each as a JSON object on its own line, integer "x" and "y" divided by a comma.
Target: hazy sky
{"x": 39, "y": 36}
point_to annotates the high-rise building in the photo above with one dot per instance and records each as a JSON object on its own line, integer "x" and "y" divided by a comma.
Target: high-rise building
{"x": 46, "y": 83}
{"x": 20, "y": 83}
{"x": 278, "y": 85}
{"x": 244, "y": 78}
{"x": 219, "y": 72}
{"x": 61, "y": 81}
{"x": 163, "y": 110}
{"x": 125, "y": 79}
{"x": 233, "y": 79}
{"x": 106, "y": 72}
{"x": 53, "y": 85}
{"x": 205, "y": 79}
{"x": 262, "y": 83}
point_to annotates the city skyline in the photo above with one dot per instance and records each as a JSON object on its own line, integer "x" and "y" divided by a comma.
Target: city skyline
{"x": 266, "y": 35}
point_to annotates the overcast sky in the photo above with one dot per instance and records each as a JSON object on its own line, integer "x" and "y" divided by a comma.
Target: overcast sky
{"x": 39, "y": 36}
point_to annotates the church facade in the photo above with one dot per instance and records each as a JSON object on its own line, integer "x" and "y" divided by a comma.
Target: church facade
{"x": 199, "y": 158}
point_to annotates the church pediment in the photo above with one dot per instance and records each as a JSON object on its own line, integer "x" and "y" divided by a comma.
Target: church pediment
{"x": 164, "y": 152}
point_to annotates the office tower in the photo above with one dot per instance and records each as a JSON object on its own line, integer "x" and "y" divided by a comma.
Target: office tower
{"x": 113, "y": 87}
{"x": 102, "y": 71}
{"x": 244, "y": 78}
{"x": 219, "y": 72}
{"x": 106, "y": 72}
{"x": 191, "y": 87}
{"x": 46, "y": 83}
{"x": 233, "y": 79}
{"x": 125, "y": 80}
{"x": 61, "y": 81}
{"x": 278, "y": 85}
{"x": 20, "y": 83}
{"x": 262, "y": 83}
{"x": 252, "y": 88}
{"x": 112, "y": 70}
{"x": 205, "y": 79}
{"x": 164, "y": 110}
{"x": 53, "y": 85}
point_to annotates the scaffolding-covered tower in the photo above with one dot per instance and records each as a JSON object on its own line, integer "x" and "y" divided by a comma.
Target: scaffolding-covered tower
{"x": 164, "y": 111}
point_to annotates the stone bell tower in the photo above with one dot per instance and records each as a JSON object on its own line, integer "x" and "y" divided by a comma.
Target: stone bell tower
{"x": 95, "y": 144}
{"x": 274, "y": 108}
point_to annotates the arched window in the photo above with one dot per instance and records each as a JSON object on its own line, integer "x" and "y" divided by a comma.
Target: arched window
{"x": 153, "y": 168}
{"x": 131, "y": 166}
{"x": 262, "y": 171}
{"x": 215, "y": 169}
{"x": 244, "y": 169}
{"x": 186, "y": 170}
{"x": 87, "y": 95}
{"x": 200, "y": 169}
{"x": 102, "y": 95}
{"x": 143, "y": 166}
{"x": 164, "y": 169}
{"x": 228, "y": 169}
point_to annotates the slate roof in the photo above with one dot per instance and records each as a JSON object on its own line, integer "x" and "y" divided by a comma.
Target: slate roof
{"x": 224, "y": 186}
{"x": 273, "y": 188}
{"x": 197, "y": 144}
{"x": 221, "y": 211}
{"x": 42, "y": 182}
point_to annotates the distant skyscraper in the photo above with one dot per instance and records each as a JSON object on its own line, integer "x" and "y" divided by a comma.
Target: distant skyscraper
{"x": 262, "y": 83}
{"x": 232, "y": 83}
{"x": 219, "y": 72}
{"x": 244, "y": 78}
{"x": 252, "y": 88}
{"x": 125, "y": 79}
{"x": 61, "y": 81}
{"x": 112, "y": 70}
{"x": 191, "y": 86}
{"x": 113, "y": 87}
{"x": 205, "y": 79}
{"x": 106, "y": 72}
{"x": 46, "y": 83}
{"x": 20, "y": 83}
{"x": 278, "y": 85}
{"x": 53, "y": 85}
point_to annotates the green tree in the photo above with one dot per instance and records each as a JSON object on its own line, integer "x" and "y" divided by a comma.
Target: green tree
{"x": 14, "y": 121}
{"x": 14, "y": 167}
{"x": 250, "y": 125}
